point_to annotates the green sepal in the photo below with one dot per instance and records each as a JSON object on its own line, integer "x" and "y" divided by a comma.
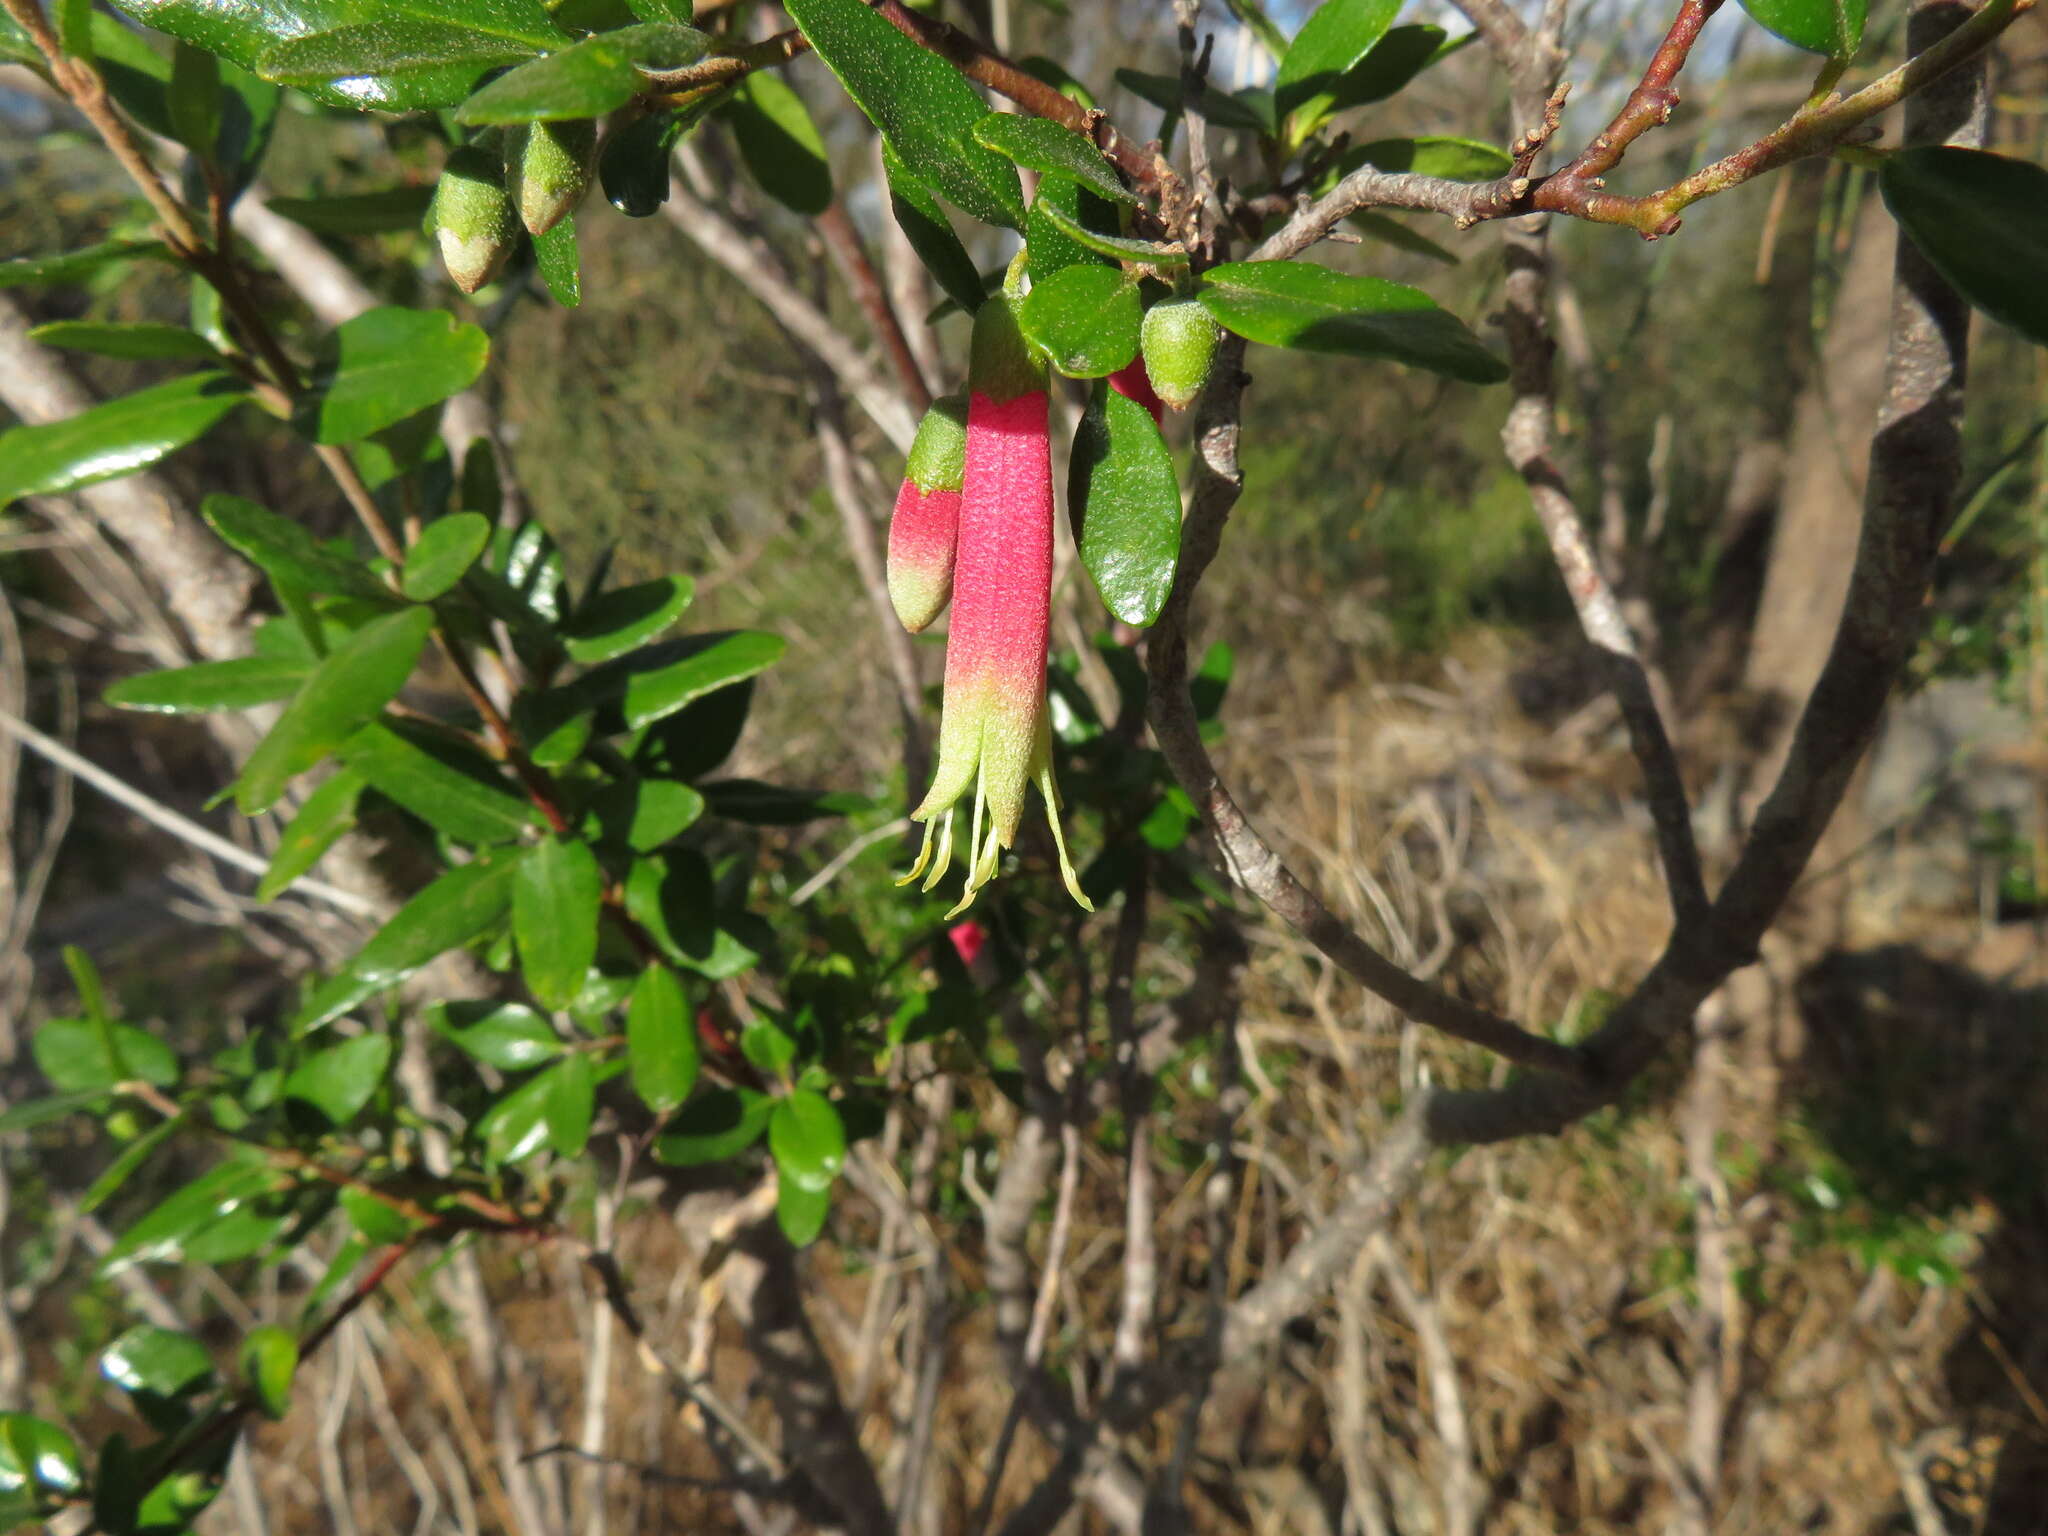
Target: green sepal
{"x": 938, "y": 456}
{"x": 1000, "y": 364}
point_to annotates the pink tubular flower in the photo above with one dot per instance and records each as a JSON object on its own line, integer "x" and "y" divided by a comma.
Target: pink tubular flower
{"x": 926, "y": 523}
{"x": 995, "y": 736}
{"x": 968, "y": 938}
{"x": 1133, "y": 383}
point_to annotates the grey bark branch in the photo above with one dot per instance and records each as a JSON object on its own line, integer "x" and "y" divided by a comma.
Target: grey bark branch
{"x": 1251, "y": 861}
{"x": 1915, "y": 467}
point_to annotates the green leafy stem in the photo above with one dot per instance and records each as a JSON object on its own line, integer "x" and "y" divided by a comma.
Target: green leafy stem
{"x": 278, "y": 384}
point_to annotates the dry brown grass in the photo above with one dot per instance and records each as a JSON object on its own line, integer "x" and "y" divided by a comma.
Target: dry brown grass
{"x": 1511, "y": 862}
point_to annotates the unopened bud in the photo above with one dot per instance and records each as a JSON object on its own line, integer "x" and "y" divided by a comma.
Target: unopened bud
{"x": 926, "y": 523}
{"x": 547, "y": 167}
{"x": 1178, "y": 344}
{"x": 472, "y": 217}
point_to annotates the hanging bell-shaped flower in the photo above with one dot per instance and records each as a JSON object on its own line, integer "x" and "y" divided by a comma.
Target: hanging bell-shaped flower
{"x": 995, "y": 736}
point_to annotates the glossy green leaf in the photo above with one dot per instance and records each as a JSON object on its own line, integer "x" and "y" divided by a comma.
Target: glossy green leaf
{"x": 731, "y": 953}
{"x": 1832, "y": 27}
{"x": 556, "y": 898}
{"x": 133, "y": 1156}
{"x": 661, "y": 1040}
{"x": 931, "y": 235}
{"x": 555, "y": 255}
{"x": 355, "y": 682}
{"x": 339, "y": 1080}
{"x": 80, "y": 1054}
{"x": 446, "y": 548}
{"x": 448, "y": 784}
{"x": 588, "y": 79}
{"x": 615, "y": 622}
{"x": 1982, "y": 221}
{"x": 374, "y": 1220}
{"x": 923, "y": 105}
{"x": 778, "y": 805}
{"x": 1051, "y": 150}
{"x": 516, "y": 1126}
{"x": 37, "y": 1457}
{"x": 323, "y": 818}
{"x": 780, "y": 144}
{"x": 1117, "y": 247}
{"x": 269, "y": 1360}
{"x": 554, "y": 728}
{"x": 450, "y": 912}
{"x": 240, "y": 1234}
{"x": 571, "y": 1100}
{"x": 654, "y": 682}
{"x": 142, "y": 341}
{"x": 696, "y": 739}
{"x": 1387, "y": 231}
{"x": 248, "y": 118}
{"x": 1312, "y": 309}
{"x": 71, "y": 266}
{"x": 633, "y": 166}
{"x": 642, "y": 814}
{"x": 116, "y": 437}
{"x": 717, "y": 1124}
{"x": 16, "y": 46}
{"x": 1085, "y": 319}
{"x": 1399, "y": 57}
{"x": 392, "y": 66}
{"x": 1219, "y": 108}
{"x": 1124, "y": 499}
{"x": 1060, "y": 203}
{"x": 286, "y": 553}
{"x": 1453, "y": 159}
{"x": 508, "y": 1036}
{"x": 194, "y": 100}
{"x": 377, "y": 369}
{"x": 807, "y": 1140}
{"x": 801, "y": 1211}
{"x": 358, "y": 213}
{"x": 241, "y": 683}
{"x": 163, "y": 1235}
{"x": 156, "y": 1360}
{"x": 1335, "y": 38}
{"x": 672, "y": 897}
{"x": 34, "y": 1112}
{"x": 768, "y": 1047}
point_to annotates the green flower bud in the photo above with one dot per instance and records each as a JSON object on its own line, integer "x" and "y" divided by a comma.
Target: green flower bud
{"x": 938, "y": 454}
{"x": 547, "y": 166}
{"x": 1178, "y": 343}
{"x": 472, "y": 217}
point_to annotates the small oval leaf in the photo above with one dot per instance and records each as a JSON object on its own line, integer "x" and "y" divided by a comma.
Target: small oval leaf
{"x": 807, "y": 1139}
{"x": 355, "y": 682}
{"x": 1124, "y": 499}
{"x": 446, "y": 548}
{"x": 1982, "y": 220}
{"x": 241, "y": 683}
{"x": 1085, "y": 319}
{"x": 339, "y": 1080}
{"x": 1051, "y": 150}
{"x": 661, "y": 1040}
{"x": 1296, "y": 304}
{"x": 555, "y": 901}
